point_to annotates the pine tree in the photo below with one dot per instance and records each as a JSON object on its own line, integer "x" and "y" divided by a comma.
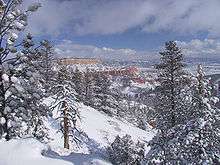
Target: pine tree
{"x": 196, "y": 140}
{"x": 25, "y": 110}
{"x": 171, "y": 101}
{"x": 119, "y": 101}
{"x": 78, "y": 80}
{"x": 67, "y": 107}
{"x": 46, "y": 64}
{"x": 96, "y": 103}
{"x": 89, "y": 87}
{"x": 171, "y": 98}
{"x": 200, "y": 91}
{"x": 202, "y": 125}
{"x": 108, "y": 103}
{"x": 30, "y": 78}
{"x": 12, "y": 22}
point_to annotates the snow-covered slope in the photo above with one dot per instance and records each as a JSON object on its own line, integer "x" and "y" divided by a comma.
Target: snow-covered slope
{"x": 100, "y": 129}
{"x": 103, "y": 129}
{"x": 26, "y": 152}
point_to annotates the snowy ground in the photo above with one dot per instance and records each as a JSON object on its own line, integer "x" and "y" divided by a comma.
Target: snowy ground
{"x": 100, "y": 129}
{"x": 26, "y": 152}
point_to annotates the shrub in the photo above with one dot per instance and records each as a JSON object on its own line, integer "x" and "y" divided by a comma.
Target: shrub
{"x": 123, "y": 151}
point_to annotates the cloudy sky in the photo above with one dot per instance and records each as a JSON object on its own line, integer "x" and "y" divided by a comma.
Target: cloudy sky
{"x": 128, "y": 28}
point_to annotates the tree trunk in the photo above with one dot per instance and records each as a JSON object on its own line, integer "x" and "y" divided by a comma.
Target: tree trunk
{"x": 66, "y": 127}
{"x": 173, "y": 104}
{"x": 2, "y": 107}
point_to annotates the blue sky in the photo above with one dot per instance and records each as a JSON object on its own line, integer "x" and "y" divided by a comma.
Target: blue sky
{"x": 138, "y": 27}
{"x": 134, "y": 39}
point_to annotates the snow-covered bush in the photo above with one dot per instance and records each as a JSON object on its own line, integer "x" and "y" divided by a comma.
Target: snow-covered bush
{"x": 123, "y": 151}
{"x": 196, "y": 142}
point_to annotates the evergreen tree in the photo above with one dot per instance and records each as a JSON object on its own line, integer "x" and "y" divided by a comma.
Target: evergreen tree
{"x": 171, "y": 97}
{"x": 46, "y": 64}
{"x": 196, "y": 140}
{"x": 170, "y": 105}
{"x": 12, "y": 22}
{"x": 78, "y": 80}
{"x": 200, "y": 91}
{"x": 89, "y": 87}
{"x": 97, "y": 90}
{"x": 25, "y": 110}
{"x": 108, "y": 103}
{"x": 119, "y": 101}
{"x": 33, "y": 93}
{"x": 67, "y": 107}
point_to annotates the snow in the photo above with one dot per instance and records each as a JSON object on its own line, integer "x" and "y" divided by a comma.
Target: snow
{"x": 10, "y": 16}
{"x": 5, "y": 77}
{"x": 7, "y": 109}
{"x": 19, "y": 25}
{"x": 14, "y": 79}
{"x": 13, "y": 36}
{"x": 99, "y": 127}
{"x": 2, "y": 120}
{"x": 16, "y": 12}
{"x": 10, "y": 42}
{"x": 215, "y": 100}
{"x": 12, "y": 49}
{"x": 26, "y": 152}
{"x": 10, "y": 124}
{"x": 33, "y": 7}
{"x": 103, "y": 129}
{"x": 19, "y": 87}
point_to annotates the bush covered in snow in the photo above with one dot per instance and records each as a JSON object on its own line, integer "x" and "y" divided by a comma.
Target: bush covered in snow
{"x": 124, "y": 151}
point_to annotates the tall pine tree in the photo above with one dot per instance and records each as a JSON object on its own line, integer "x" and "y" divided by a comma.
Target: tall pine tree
{"x": 196, "y": 139}
{"x": 170, "y": 99}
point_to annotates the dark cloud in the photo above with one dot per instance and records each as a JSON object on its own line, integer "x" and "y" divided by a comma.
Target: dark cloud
{"x": 117, "y": 16}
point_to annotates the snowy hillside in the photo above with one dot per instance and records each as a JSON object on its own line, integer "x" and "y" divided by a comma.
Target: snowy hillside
{"x": 25, "y": 152}
{"x": 100, "y": 129}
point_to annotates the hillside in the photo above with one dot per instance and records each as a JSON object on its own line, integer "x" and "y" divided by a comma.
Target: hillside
{"x": 100, "y": 129}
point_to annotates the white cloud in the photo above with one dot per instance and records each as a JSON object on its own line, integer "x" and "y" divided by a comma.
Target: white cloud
{"x": 188, "y": 16}
{"x": 111, "y": 16}
{"x": 69, "y": 49}
{"x": 207, "y": 48}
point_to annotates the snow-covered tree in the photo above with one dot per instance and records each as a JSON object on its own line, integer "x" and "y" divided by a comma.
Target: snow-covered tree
{"x": 96, "y": 102}
{"x": 201, "y": 91}
{"x": 118, "y": 96}
{"x": 66, "y": 105}
{"x": 46, "y": 64}
{"x": 88, "y": 87}
{"x": 171, "y": 98}
{"x": 194, "y": 141}
{"x": 123, "y": 151}
{"x": 107, "y": 103}
{"x": 126, "y": 81}
{"x": 78, "y": 80}
{"x": 25, "y": 110}
{"x": 30, "y": 80}
{"x": 12, "y": 21}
